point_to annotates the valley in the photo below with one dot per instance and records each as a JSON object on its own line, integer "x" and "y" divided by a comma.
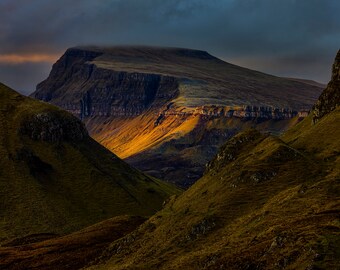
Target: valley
{"x": 264, "y": 202}
{"x": 170, "y": 135}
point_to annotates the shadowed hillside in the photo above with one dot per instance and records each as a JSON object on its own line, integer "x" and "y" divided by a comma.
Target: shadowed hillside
{"x": 265, "y": 202}
{"x": 161, "y": 108}
{"x": 55, "y": 179}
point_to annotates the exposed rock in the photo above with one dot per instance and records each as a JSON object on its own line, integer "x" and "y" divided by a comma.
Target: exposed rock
{"x": 262, "y": 176}
{"x": 53, "y": 127}
{"x": 229, "y": 152}
{"x": 201, "y": 228}
{"x": 330, "y": 97}
{"x": 248, "y": 112}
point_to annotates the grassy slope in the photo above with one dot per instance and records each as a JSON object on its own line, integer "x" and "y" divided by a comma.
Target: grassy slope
{"x": 127, "y": 137}
{"x": 266, "y": 203}
{"x": 72, "y": 251}
{"x": 84, "y": 184}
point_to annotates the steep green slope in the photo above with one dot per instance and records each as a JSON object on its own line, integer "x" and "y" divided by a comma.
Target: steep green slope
{"x": 264, "y": 203}
{"x": 55, "y": 179}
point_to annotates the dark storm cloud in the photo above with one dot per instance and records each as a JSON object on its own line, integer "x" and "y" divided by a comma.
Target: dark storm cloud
{"x": 284, "y": 37}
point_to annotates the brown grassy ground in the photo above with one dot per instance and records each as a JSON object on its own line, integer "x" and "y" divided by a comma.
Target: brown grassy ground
{"x": 68, "y": 252}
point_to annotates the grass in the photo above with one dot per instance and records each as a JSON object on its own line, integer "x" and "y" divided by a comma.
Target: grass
{"x": 74, "y": 251}
{"x": 264, "y": 203}
{"x": 61, "y": 187}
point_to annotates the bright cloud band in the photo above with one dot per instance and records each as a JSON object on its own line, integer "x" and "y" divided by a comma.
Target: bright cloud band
{"x": 28, "y": 58}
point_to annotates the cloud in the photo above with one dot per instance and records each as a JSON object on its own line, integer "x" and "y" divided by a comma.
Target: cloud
{"x": 304, "y": 33}
{"x": 28, "y": 58}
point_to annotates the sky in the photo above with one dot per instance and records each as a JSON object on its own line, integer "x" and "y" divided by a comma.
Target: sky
{"x": 292, "y": 38}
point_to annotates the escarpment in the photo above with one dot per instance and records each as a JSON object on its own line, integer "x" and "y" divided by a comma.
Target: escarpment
{"x": 71, "y": 64}
{"x": 160, "y": 108}
{"x": 98, "y": 91}
{"x": 243, "y": 112}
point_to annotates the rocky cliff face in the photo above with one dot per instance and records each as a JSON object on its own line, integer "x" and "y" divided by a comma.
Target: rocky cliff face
{"x": 69, "y": 65}
{"x": 330, "y": 98}
{"x": 102, "y": 92}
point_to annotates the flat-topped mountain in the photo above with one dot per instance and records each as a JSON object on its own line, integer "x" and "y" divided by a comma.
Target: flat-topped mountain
{"x": 190, "y": 78}
{"x": 55, "y": 179}
{"x": 167, "y": 110}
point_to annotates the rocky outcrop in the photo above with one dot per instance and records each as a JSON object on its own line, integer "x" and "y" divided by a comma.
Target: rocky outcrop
{"x": 245, "y": 112}
{"x": 53, "y": 127}
{"x": 330, "y": 97}
{"x": 230, "y": 151}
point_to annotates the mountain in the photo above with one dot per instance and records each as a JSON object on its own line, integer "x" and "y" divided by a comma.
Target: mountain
{"x": 264, "y": 202}
{"x": 55, "y": 179}
{"x": 168, "y": 110}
